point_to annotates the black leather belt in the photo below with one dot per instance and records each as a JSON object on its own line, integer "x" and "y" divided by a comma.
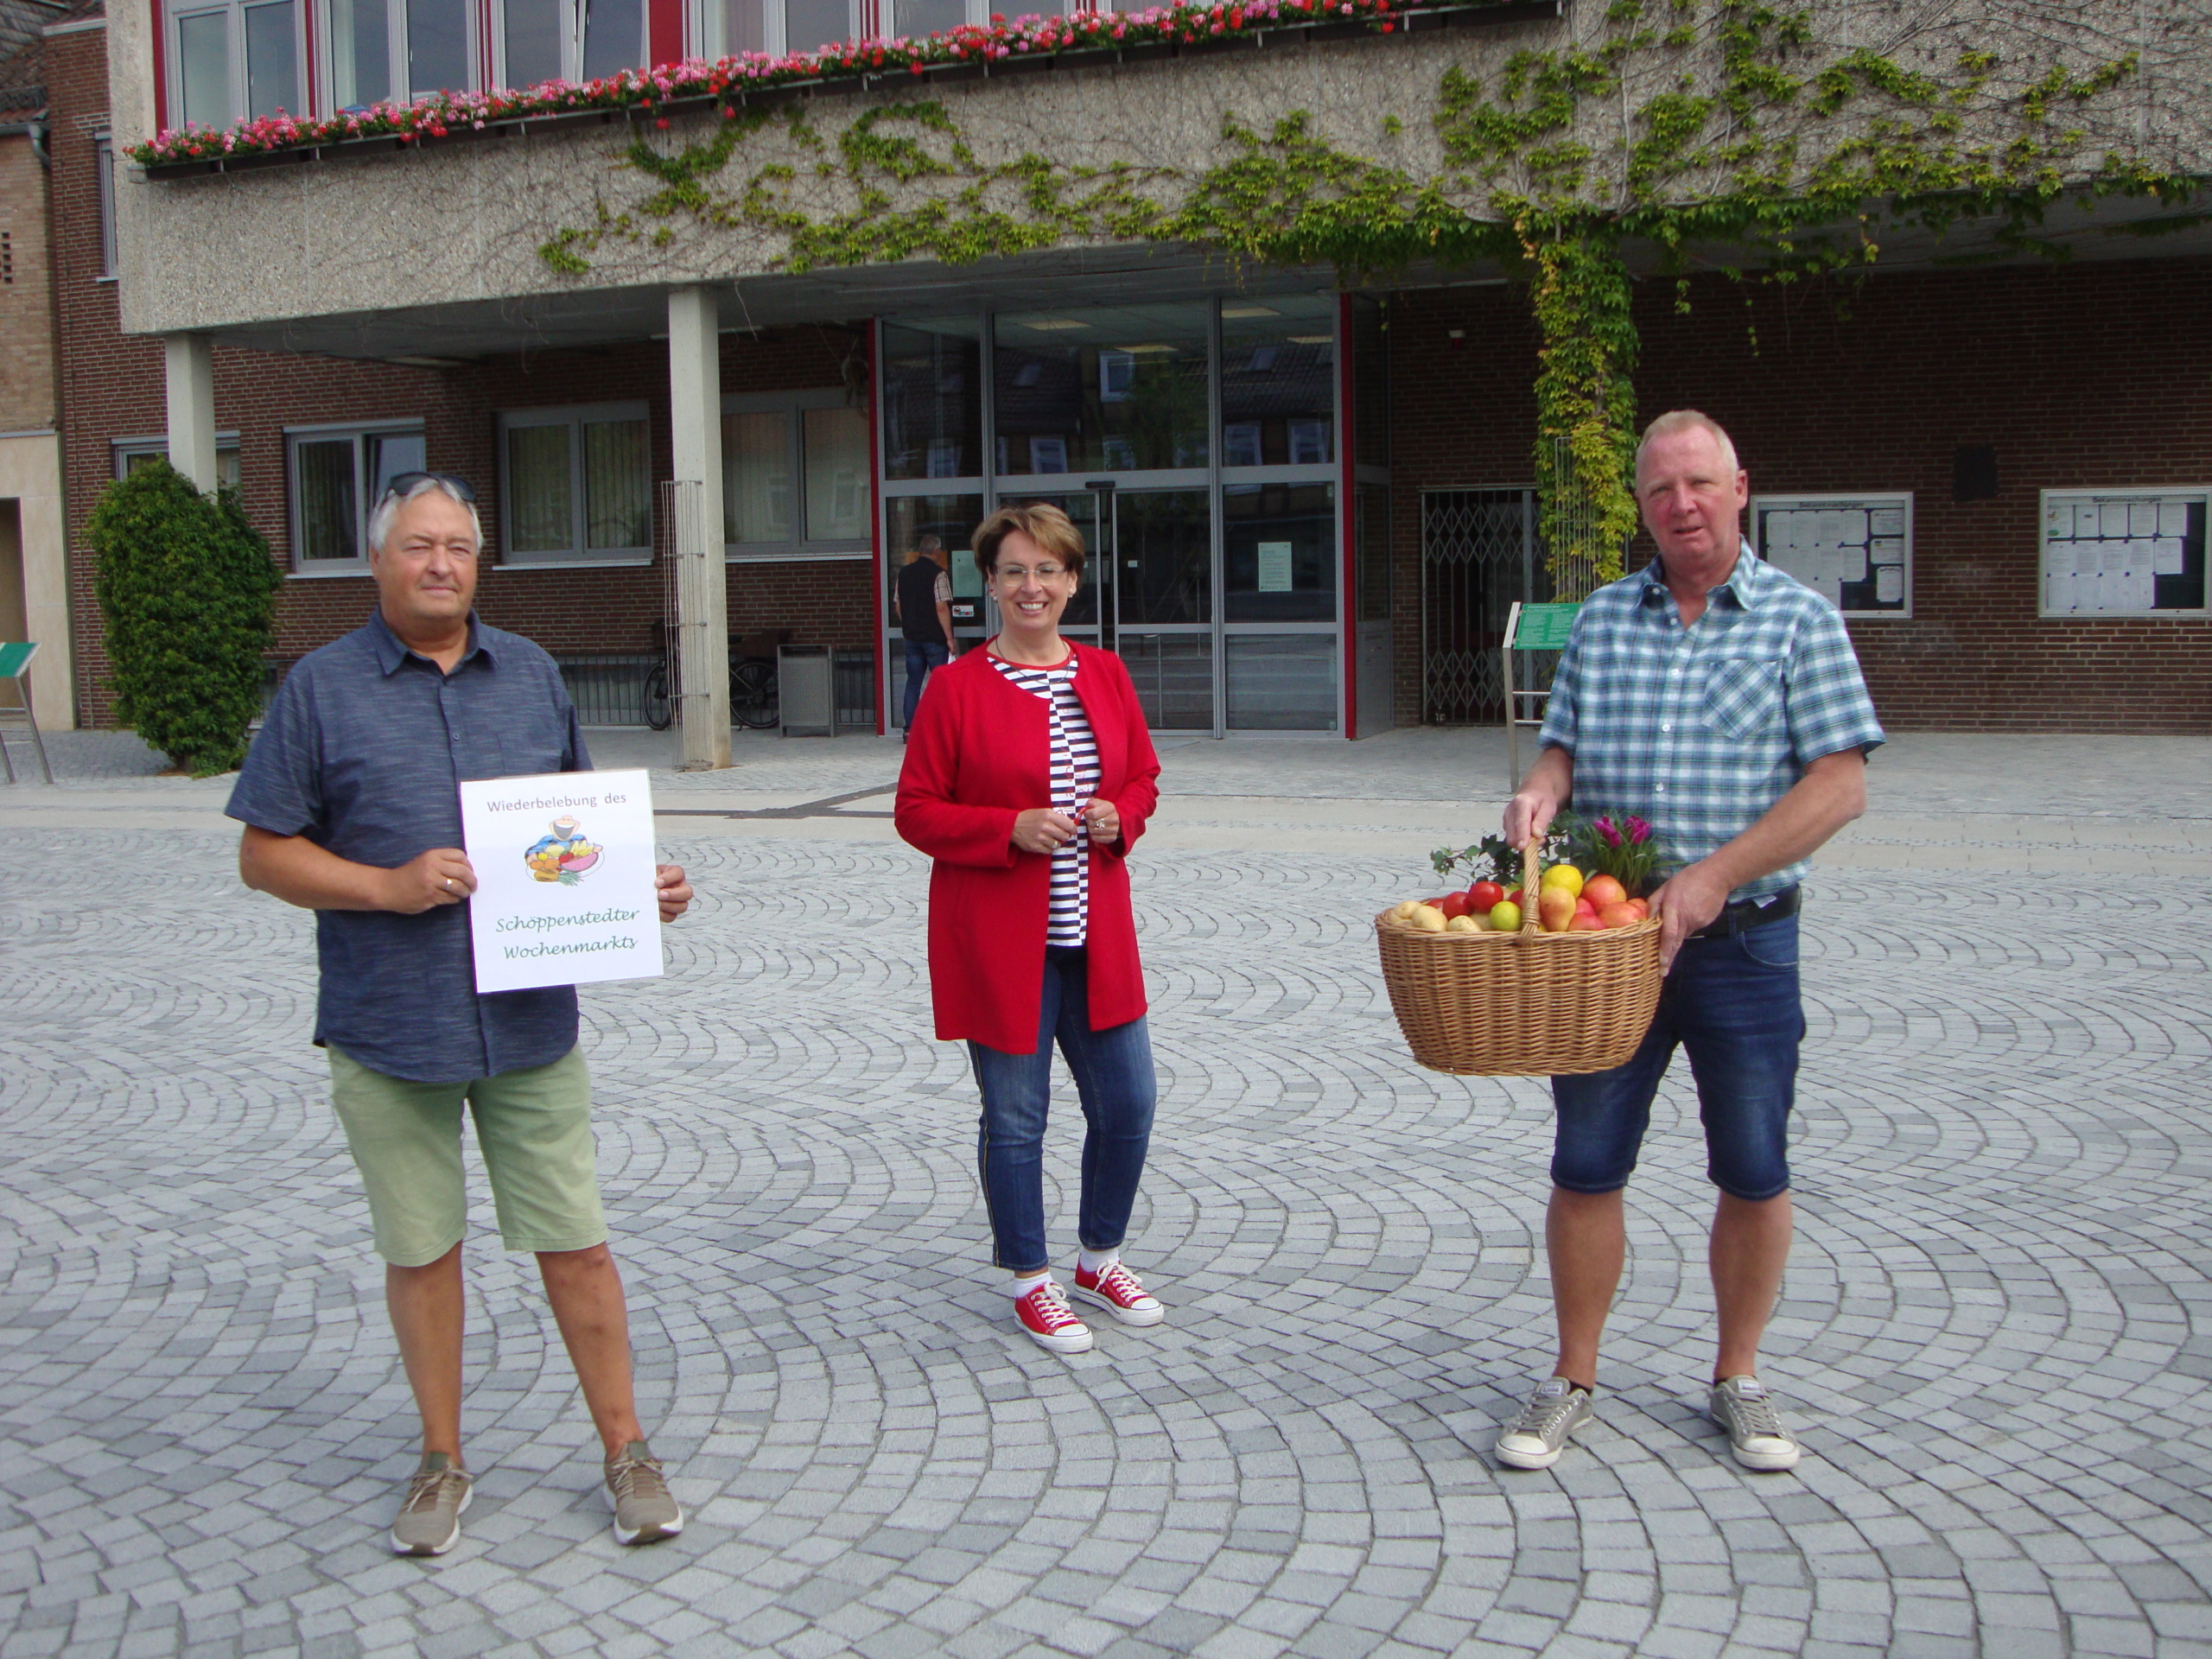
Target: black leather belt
{"x": 1745, "y": 914}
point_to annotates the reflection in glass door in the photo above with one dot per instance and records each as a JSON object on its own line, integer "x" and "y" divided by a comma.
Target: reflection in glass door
{"x": 1163, "y": 588}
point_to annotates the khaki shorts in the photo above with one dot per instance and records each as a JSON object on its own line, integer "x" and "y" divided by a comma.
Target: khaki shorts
{"x": 534, "y": 1127}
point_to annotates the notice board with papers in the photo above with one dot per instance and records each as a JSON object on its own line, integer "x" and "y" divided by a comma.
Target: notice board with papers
{"x": 2124, "y": 552}
{"x": 1855, "y": 551}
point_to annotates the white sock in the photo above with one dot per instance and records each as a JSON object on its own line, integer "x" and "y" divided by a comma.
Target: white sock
{"x": 1025, "y": 1282}
{"x": 1096, "y": 1262}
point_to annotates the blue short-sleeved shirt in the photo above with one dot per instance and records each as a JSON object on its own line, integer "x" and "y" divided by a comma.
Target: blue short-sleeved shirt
{"x": 1700, "y": 730}
{"x": 363, "y": 752}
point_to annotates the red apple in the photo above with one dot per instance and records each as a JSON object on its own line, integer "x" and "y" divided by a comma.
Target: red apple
{"x": 1454, "y": 904}
{"x": 1602, "y": 890}
{"x": 1584, "y": 922}
{"x": 1484, "y": 897}
{"x": 1621, "y": 915}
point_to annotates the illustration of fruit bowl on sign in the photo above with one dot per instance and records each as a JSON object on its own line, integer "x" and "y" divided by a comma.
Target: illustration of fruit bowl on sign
{"x": 563, "y": 855}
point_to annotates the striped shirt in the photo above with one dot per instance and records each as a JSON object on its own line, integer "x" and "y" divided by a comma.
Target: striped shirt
{"x": 1701, "y": 729}
{"x": 1074, "y": 766}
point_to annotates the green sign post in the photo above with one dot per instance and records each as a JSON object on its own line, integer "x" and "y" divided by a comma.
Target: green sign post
{"x": 16, "y": 665}
{"x": 1530, "y": 627}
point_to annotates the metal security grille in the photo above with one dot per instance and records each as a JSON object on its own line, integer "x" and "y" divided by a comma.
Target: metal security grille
{"x": 1479, "y": 553}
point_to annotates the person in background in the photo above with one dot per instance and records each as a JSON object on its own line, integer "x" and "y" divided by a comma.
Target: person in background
{"x": 1029, "y": 778}
{"x": 1714, "y": 696}
{"x": 922, "y": 603}
{"x": 352, "y": 805}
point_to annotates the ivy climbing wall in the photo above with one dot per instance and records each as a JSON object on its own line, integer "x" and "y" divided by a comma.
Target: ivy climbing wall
{"x": 1638, "y": 139}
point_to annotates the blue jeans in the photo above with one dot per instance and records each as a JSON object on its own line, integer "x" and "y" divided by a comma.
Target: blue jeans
{"x": 921, "y": 656}
{"x": 1732, "y": 1003}
{"x": 1113, "y": 1077}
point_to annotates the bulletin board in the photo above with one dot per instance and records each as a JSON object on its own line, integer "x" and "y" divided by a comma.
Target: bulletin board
{"x": 2124, "y": 552}
{"x": 1855, "y": 551}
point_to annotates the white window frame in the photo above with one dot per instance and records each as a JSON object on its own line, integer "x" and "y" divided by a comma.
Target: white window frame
{"x": 122, "y": 448}
{"x": 706, "y": 23}
{"x": 2048, "y": 501}
{"x": 396, "y": 50}
{"x": 574, "y": 416}
{"x": 572, "y": 40}
{"x": 794, "y": 405}
{"x": 173, "y": 13}
{"x": 364, "y": 504}
{"x": 1872, "y": 501}
{"x": 103, "y": 171}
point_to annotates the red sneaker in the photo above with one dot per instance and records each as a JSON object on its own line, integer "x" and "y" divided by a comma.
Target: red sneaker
{"x": 1117, "y": 1291}
{"x": 1050, "y": 1323}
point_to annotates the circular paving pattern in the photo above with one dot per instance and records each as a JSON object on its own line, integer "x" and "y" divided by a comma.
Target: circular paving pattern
{"x": 1989, "y": 1339}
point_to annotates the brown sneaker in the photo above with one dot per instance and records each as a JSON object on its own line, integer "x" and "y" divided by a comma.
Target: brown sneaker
{"x": 646, "y": 1511}
{"x": 429, "y": 1515}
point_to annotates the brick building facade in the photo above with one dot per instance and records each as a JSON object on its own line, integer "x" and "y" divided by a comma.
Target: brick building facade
{"x": 1974, "y": 389}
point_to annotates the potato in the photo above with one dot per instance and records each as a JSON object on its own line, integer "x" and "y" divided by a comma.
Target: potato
{"x": 1428, "y": 919}
{"x": 1404, "y": 912}
{"x": 1463, "y": 925}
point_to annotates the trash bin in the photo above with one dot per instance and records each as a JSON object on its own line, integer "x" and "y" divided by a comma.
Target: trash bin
{"x": 806, "y": 691}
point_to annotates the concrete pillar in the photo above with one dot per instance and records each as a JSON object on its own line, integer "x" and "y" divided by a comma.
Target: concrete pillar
{"x": 694, "y": 395}
{"x": 192, "y": 409}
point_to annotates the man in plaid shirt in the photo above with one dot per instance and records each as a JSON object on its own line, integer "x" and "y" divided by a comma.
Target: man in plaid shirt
{"x": 1720, "y": 700}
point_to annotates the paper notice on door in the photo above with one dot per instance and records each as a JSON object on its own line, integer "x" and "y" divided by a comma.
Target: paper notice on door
{"x": 1854, "y": 527}
{"x": 1275, "y": 567}
{"x": 2166, "y": 556}
{"x": 2173, "y": 518}
{"x": 2114, "y": 515}
{"x": 2142, "y": 517}
{"x": 2088, "y": 522}
{"x": 1885, "y": 521}
{"x": 564, "y": 879}
{"x": 1888, "y": 584}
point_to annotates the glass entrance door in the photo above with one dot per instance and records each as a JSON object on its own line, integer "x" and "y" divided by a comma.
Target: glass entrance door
{"x": 1163, "y": 604}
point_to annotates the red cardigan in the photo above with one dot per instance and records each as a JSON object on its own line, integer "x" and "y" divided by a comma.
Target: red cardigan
{"x": 978, "y": 753}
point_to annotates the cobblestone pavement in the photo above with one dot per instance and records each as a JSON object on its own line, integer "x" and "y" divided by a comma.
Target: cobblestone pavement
{"x": 1989, "y": 1339}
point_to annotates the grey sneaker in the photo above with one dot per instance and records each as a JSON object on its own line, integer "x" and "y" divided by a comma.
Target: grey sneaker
{"x": 1742, "y": 1405}
{"x": 429, "y": 1515}
{"x": 646, "y": 1511}
{"x": 1540, "y": 1433}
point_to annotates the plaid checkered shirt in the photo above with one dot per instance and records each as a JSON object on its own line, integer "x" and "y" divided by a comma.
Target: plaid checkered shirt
{"x": 1700, "y": 730}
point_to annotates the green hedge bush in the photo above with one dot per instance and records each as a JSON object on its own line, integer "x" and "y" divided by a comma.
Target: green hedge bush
{"x": 189, "y": 594}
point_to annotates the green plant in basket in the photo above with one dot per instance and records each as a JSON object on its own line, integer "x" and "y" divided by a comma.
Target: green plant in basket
{"x": 1489, "y": 859}
{"x": 1623, "y": 848}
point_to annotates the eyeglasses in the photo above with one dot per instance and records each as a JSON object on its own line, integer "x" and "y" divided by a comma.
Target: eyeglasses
{"x": 402, "y": 482}
{"x": 1021, "y": 573}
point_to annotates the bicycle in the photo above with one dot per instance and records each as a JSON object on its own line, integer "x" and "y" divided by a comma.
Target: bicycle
{"x": 752, "y": 700}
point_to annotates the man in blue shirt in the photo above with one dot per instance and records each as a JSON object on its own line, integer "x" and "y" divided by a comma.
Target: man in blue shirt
{"x": 352, "y": 804}
{"x": 1714, "y": 696}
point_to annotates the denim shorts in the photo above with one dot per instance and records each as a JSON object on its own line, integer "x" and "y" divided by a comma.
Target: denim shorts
{"x": 1733, "y": 1004}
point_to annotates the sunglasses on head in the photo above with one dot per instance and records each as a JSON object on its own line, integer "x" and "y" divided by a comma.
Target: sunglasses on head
{"x": 401, "y": 483}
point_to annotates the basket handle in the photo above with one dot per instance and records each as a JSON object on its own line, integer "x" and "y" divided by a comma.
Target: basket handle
{"x": 1530, "y": 872}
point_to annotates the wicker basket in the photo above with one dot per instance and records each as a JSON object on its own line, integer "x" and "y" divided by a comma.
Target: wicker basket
{"x": 1525, "y": 1004}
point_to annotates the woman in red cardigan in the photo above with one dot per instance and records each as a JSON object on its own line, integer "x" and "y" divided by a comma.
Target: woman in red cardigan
{"x": 1029, "y": 776}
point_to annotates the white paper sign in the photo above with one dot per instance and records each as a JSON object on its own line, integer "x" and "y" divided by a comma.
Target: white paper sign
{"x": 564, "y": 879}
{"x": 1889, "y": 583}
{"x": 2173, "y": 518}
{"x": 1275, "y": 567}
{"x": 2166, "y": 558}
{"x": 2142, "y": 517}
{"x": 2087, "y": 524}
